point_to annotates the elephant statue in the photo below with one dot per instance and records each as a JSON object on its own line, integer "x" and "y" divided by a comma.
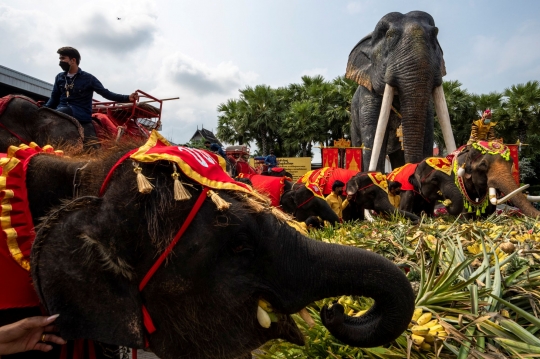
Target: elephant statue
{"x": 97, "y": 258}
{"x": 399, "y": 68}
{"x": 425, "y": 184}
{"x": 368, "y": 190}
{"x": 22, "y": 121}
{"x": 482, "y": 170}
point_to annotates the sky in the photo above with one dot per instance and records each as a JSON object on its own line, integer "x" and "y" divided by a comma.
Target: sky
{"x": 204, "y": 51}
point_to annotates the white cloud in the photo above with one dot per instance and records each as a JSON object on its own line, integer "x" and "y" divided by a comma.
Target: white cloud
{"x": 201, "y": 79}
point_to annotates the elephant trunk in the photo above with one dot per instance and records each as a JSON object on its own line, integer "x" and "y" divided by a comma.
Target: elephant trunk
{"x": 499, "y": 177}
{"x": 331, "y": 270}
{"x": 386, "y": 207}
{"x": 414, "y": 103}
{"x": 451, "y": 192}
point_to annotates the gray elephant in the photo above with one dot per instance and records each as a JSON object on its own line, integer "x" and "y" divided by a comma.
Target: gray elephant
{"x": 399, "y": 67}
{"x": 93, "y": 255}
{"x": 23, "y": 122}
{"x": 367, "y": 191}
{"x": 426, "y": 184}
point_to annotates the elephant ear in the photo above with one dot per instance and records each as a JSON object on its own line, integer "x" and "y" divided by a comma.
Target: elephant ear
{"x": 79, "y": 273}
{"x": 359, "y": 64}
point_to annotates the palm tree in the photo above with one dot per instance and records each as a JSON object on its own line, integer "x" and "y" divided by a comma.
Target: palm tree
{"x": 232, "y": 123}
{"x": 302, "y": 126}
{"x": 521, "y": 105}
{"x": 259, "y": 104}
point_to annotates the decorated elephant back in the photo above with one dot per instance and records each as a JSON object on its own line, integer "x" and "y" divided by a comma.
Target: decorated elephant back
{"x": 325, "y": 177}
{"x": 272, "y": 187}
{"x": 402, "y": 174}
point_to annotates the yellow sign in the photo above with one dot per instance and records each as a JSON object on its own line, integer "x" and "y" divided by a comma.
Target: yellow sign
{"x": 296, "y": 166}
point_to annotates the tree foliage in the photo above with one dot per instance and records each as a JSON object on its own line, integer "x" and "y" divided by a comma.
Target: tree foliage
{"x": 291, "y": 119}
{"x": 294, "y": 118}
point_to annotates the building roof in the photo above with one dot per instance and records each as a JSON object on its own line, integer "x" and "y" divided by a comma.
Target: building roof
{"x": 204, "y": 134}
{"x": 12, "y": 81}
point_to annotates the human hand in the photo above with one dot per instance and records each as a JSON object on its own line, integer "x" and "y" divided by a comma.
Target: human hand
{"x": 28, "y": 334}
{"x": 134, "y": 97}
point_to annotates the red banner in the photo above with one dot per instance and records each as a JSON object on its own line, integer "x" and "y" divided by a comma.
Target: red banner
{"x": 353, "y": 159}
{"x": 329, "y": 157}
{"x": 514, "y": 151}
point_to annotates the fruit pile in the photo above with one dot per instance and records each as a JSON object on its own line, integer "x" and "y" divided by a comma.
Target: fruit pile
{"x": 477, "y": 286}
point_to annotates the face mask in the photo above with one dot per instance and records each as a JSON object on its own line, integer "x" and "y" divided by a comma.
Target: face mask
{"x": 64, "y": 65}
{"x": 487, "y": 120}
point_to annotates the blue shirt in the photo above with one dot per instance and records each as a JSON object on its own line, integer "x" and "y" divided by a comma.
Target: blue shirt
{"x": 270, "y": 160}
{"x": 80, "y": 96}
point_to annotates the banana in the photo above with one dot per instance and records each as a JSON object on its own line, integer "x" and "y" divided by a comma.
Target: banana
{"x": 425, "y": 346}
{"x": 417, "y": 313}
{"x": 267, "y": 307}
{"x": 436, "y": 328}
{"x": 417, "y": 339}
{"x": 420, "y": 330}
{"x": 351, "y": 312}
{"x": 442, "y": 334}
{"x": 429, "y": 338}
{"x": 424, "y": 318}
{"x": 263, "y": 318}
{"x": 431, "y": 323}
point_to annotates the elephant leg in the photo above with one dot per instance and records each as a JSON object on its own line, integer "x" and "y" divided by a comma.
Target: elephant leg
{"x": 356, "y": 137}
{"x": 369, "y": 106}
{"x": 397, "y": 159}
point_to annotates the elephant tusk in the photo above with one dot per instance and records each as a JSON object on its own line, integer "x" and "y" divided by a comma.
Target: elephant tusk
{"x": 461, "y": 171}
{"x": 368, "y": 216}
{"x": 533, "y": 198}
{"x": 386, "y": 106}
{"x": 493, "y": 195}
{"x": 444, "y": 118}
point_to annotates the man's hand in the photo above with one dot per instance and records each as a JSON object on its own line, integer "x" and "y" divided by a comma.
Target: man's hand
{"x": 28, "y": 334}
{"x": 134, "y": 97}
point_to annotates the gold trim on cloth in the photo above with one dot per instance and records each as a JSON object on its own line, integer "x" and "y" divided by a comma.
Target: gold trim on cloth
{"x": 441, "y": 164}
{"x": 379, "y": 180}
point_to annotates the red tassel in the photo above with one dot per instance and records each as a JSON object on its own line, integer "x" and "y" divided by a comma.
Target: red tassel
{"x": 148, "y": 324}
{"x": 91, "y": 350}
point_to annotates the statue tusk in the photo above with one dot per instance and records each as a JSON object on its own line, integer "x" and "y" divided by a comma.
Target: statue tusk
{"x": 533, "y": 198}
{"x": 493, "y": 195}
{"x": 382, "y": 123}
{"x": 444, "y": 118}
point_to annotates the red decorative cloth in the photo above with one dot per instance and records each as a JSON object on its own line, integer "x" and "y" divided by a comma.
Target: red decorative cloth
{"x": 325, "y": 177}
{"x": 17, "y": 228}
{"x": 272, "y": 187}
{"x": 243, "y": 167}
{"x": 402, "y": 174}
{"x": 203, "y": 167}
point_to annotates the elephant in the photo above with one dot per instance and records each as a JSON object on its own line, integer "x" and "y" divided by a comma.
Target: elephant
{"x": 484, "y": 168}
{"x": 366, "y": 190}
{"x": 399, "y": 68}
{"x": 427, "y": 183}
{"x": 93, "y": 252}
{"x": 22, "y": 121}
{"x": 300, "y": 202}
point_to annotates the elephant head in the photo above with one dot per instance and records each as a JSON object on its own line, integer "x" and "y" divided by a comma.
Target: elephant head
{"x": 91, "y": 254}
{"x": 23, "y": 121}
{"x": 365, "y": 194}
{"x": 488, "y": 167}
{"x": 302, "y": 204}
{"x": 436, "y": 186}
{"x": 401, "y": 57}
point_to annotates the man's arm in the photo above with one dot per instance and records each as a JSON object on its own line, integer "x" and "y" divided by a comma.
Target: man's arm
{"x": 98, "y": 87}
{"x": 54, "y": 100}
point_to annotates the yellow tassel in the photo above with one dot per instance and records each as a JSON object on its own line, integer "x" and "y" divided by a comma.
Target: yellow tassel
{"x": 142, "y": 182}
{"x": 180, "y": 192}
{"x": 220, "y": 202}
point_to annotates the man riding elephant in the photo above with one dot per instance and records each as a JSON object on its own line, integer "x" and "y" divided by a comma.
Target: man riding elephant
{"x": 73, "y": 89}
{"x": 483, "y": 129}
